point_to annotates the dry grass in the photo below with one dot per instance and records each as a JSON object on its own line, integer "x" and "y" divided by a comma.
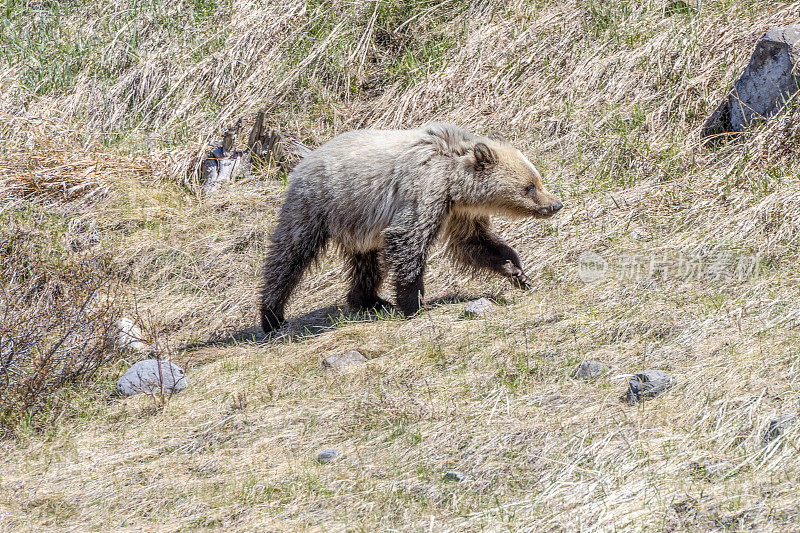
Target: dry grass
{"x": 608, "y": 97}
{"x": 57, "y": 323}
{"x": 42, "y": 159}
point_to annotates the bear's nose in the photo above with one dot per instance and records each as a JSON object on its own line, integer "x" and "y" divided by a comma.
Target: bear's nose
{"x": 556, "y": 207}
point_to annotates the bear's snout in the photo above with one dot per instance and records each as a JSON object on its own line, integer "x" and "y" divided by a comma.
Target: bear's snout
{"x": 550, "y": 210}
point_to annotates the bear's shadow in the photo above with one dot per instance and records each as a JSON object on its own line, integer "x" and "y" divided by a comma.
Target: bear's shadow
{"x": 319, "y": 321}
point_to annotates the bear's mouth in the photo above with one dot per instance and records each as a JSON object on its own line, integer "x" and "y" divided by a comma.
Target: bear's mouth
{"x": 548, "y": 211}
{"x": 531, "y": 210}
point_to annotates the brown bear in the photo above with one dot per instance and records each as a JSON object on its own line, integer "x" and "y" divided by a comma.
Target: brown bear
{"x": 383, "y": 197}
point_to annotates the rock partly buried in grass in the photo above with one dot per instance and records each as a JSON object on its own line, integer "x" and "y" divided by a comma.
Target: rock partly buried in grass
{"x": 344, "y": 360}
{"x": 590, "y": 370}
{"x": 763, "y": 88}
{"x": 455, "y": 475}
{"x": 128, "y": 336}
{"x": 478, "y": 308}
{"x": 647, "y": 384}
{"x": 326, "y": 456}
{"x": 779, "y": 426}
{"x": 706, "y": 469}
{"x": 153, "y": 376}
{"x": 6, "y": 347}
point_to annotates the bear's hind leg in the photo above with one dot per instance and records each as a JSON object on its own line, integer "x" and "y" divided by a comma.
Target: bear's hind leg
{"x": 291, "y": 252}
{"x": 366, "y": 276}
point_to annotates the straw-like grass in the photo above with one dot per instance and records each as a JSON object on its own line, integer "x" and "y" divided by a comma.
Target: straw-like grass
{"x": 607, "y": 97}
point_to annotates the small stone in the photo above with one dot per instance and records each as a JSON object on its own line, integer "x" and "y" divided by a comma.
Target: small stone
{"x": 648, "y": 384}
{"x": 590, "y": 370}
{"x": 455, "y": 475}
{"x": 326, "y": 456}
{"x": 341, "y": 361}
{"x": 129, "y": 337}
{"x": 478, "y": 308}
{"x": 547, "y": 400}
{"x": 779, "y": 426}
{"x": 6, "y": 347}
{"x": 153, "y": 376}
{"x": 708, "y": 469}
{"x": 550, "y": 353}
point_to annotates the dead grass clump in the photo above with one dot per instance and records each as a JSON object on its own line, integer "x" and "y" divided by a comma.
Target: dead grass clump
{"x": 56, "y": 316}
{"x": 40, "y": 159}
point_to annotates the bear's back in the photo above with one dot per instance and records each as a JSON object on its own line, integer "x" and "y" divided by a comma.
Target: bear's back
{"x": 361, "y": 180}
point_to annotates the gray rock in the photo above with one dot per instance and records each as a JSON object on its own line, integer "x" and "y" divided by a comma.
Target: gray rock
{"x": 153, "y": 376}
{"x": 590, "y": 370}
{"x": 478, "y": 308}
{"x": 706, "y": 469}
{"x": 547, "y": 400}
{"x": 647, "y": 384}
{"x": 455, "y": 475}
{"x": 326, "y": 456}
{"x": 779, "y": 426}
{"x": 761, "y": 91}
{"x": 341, "y": 361}
{"x": 128, "y": 336}
{"x": 6, "y": 348}
{"x": 550, "y": 353}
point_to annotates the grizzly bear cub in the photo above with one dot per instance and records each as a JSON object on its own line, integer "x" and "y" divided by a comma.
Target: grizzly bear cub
{"x": 385, "y": 196}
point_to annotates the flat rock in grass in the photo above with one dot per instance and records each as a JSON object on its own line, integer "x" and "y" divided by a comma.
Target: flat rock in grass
{"x": 478, "y": 308}
{"x": 648, "y": 384}
{"x": 128, "y": 336}
{"x": 344, "y": 360}
{"x": 769, "y": 80}
{"x": 779, "y": 426}
{"x": 455, "y": 475}
{"x": 326, "y": 456}
{"x": 590, "y": 369}
{"x": 708, "y": 469}
{"x": 153, "y": 376}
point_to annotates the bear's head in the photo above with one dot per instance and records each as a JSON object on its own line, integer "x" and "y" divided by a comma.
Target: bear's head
{"x": 506, "y": 182}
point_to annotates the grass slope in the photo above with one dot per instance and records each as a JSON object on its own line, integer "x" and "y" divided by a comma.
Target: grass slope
{"x": 607, "y": 97}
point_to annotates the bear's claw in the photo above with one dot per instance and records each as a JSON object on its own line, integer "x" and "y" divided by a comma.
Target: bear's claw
{"x": 521, "y": 281}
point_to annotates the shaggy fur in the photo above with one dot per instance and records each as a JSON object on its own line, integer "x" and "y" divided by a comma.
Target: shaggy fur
{"x": 385, "y": 196}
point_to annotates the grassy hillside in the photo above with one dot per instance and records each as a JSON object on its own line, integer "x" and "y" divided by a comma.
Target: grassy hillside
{"x": 104, "y": 107}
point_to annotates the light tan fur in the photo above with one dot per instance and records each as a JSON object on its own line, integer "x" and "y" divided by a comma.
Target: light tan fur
{"x": 385, "y": 196}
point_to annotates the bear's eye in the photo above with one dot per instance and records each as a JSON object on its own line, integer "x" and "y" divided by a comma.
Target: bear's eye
{"x": 530, "y": 190}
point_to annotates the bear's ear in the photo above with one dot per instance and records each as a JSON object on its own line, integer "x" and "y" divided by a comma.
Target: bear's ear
{"x": 484, "y": 156}
{"x": 497, "y": 136}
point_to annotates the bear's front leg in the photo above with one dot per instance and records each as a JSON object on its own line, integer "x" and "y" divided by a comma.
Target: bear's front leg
{"x": 474, "y": 245}
{"x": 515, "y": 274}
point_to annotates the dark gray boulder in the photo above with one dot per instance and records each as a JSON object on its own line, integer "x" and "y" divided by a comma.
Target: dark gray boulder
{"x": 647, "y": 384}
{"x": 767, "y": 83}
{"x": 152, "y": 376}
